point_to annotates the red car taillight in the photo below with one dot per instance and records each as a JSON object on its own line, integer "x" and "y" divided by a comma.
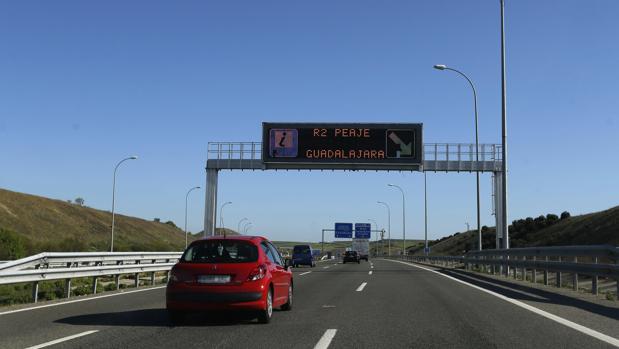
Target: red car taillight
{"x": 258, "y": 273}
{"x": 177, "y": 276}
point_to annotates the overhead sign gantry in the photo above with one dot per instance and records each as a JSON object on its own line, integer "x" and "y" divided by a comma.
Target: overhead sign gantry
{"x": 348, "y": 146}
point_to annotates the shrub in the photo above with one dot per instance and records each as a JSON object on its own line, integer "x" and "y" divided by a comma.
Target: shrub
{"x": 565, "y": 215}
{"x": 12, "y": 245}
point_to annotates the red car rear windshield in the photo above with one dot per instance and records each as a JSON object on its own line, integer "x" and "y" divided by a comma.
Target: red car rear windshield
{"x": 221, "y": 251}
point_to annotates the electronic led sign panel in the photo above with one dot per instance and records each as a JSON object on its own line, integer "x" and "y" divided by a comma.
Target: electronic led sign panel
{"x": 331, "y": 145}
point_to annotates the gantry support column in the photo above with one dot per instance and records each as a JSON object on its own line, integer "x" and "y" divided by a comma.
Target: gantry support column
{"x": 210, "y": 205}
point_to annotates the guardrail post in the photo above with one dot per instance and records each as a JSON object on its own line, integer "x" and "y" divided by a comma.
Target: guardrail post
{"x": 515, "y": 269}
{"x": 35, "y": 291}
{"x": 523, "y": 269}
{"x": 67, "y": 288}
{"x": 94, "y": 285}
{"x": 558, "y": 281}
{"x": 137, "y": 280}
{"x": 117, "y": 281}
{"x": 534, "y": 272}
{"x": 594, "y": 280}
{"x": 152, "y": 278}
{"x": 575, "y": 277}
{"x": 546, "y": 273}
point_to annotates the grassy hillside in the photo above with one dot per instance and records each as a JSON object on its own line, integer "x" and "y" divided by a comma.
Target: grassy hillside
{"x": 589, "y": 229}
{"x": 30, "y": 224}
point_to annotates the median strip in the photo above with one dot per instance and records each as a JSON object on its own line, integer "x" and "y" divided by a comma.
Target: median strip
{"x": 63, "y": 339}
{"x": 361, "y": 287}
{"x": 326, "y": 339}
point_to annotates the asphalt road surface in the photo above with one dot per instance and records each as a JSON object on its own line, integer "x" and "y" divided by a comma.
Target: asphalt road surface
{"x": 376, "y": 304}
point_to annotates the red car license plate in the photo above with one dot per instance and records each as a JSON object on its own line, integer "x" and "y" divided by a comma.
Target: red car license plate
{"x": 213, "y": 279}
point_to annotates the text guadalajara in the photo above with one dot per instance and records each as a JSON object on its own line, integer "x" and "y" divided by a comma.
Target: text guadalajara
{"x": 343, "y": 153}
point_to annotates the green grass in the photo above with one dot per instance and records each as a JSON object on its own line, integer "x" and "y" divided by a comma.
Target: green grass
{"x": 45, "y": 225}
{"x": 597, "y": 228}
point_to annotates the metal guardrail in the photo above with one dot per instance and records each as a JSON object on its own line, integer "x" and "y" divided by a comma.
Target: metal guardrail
{"x": 67, "y": 265}
{"x": 527, "y": 263}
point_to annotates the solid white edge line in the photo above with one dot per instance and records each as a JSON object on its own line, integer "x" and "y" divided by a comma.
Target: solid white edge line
{"x": 81, "y": 300}
{"x": 580, "y": 328}
{"x": 361, "y": 287}
{"x": 307, "y": 272}
{"x": 370, "y": 272}
{"x": 326, "y": 339}
{"x": 63, "y": 339}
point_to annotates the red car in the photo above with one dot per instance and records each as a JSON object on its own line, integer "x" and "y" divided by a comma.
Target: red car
{"x": 229, "y": 273}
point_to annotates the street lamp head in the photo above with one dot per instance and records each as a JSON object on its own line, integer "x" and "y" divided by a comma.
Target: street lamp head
{"x": 390, "y": 185}
{"x": 440, "y": 66}
{"x": 134, "y": 157}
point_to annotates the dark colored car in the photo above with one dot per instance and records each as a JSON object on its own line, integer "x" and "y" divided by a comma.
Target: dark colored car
{"x": 229, "y": 273}
{"x": 303, "y": 255}
{"x": 351, "y": 256}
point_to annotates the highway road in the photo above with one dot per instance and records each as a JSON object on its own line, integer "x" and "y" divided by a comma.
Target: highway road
{"x": 380, "y": 304}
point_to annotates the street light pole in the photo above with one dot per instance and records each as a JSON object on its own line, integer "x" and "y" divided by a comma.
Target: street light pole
{"x": 238, "y": 226}
{"x": 403, "y": 219}
{"x": 504, "y": 131}
{"x": 221, "y": 215}
{"x": 425, "y": 207}
{"x": 443, "y": 67}
{"x": 388, "y": 226}
{"x": 186, "y": 197}
{"x": 114, "y": 197}
{"x": 376, "y": 224}
{"x": 247, "y": 227}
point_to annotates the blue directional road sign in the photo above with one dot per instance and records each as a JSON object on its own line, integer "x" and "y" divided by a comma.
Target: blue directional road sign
{"x": 362, "y": 230}
{"x": 343, "y": 230}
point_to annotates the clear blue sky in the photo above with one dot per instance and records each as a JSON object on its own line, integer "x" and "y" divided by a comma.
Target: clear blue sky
{"x": 84, "y": 84}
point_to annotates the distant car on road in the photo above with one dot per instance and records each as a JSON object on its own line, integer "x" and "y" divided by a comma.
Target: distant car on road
{"x": 351, "y": 256}
{"x": 229, "y": 273}
{"x": 303, "y": 255}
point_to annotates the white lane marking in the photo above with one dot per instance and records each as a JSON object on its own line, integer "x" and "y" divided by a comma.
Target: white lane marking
{"x": 81, "y": 300}
{"x": 370, "y": 272}
{"x": 361, "y": 287}
{"x": 580, "y": 328}
{"x": 63, "y": 339}
{"x": 371, "y": 266}
{"x": 326, "y": 339}
{"x": 307, "y": 272}
{"x": 327, "y": 267}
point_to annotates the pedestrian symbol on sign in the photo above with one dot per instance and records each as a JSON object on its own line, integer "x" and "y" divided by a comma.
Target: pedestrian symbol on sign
{"x": 400, "y": 143}
{"x": 284, "y": 143}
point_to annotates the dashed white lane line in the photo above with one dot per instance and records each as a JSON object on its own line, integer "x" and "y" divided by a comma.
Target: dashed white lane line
{"x": 81, "y": 300}
{"x": 307, "y": 272}
{"x": 361, "y": 287}
{"x": 370, "y": 272}
{"x": 327, "y": 267}
{"x": 63, "y": 339}
{"x": 568, "y": 323}
{"x": 326, "y": 339}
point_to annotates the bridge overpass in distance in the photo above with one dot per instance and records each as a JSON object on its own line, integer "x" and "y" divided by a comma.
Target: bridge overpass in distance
{"x": 377, "y": 304}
